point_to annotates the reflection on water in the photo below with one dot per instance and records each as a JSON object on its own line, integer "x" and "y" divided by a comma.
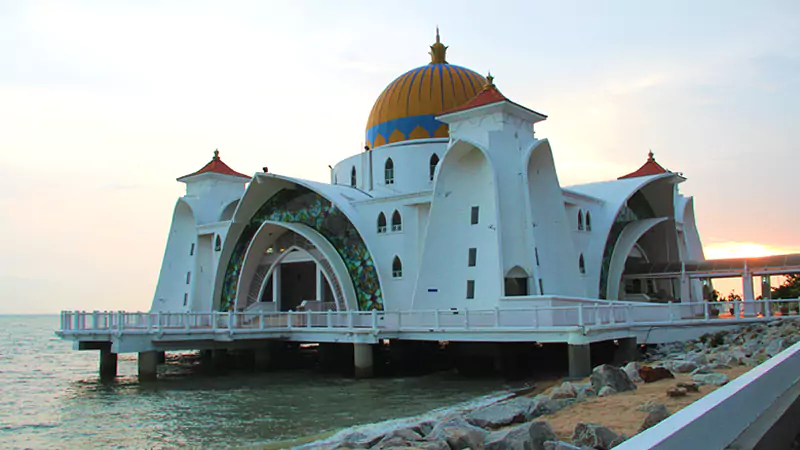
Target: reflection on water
{"x": 50, "y": 396}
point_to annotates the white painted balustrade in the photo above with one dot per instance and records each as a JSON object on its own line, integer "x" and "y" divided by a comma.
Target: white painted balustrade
{"x": 558, "y": 314}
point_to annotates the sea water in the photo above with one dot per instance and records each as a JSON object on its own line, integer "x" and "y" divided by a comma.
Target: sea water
{"x": 51, "y": 397}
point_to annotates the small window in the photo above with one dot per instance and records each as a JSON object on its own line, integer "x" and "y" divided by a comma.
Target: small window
{"x": 191, "y": 250}
{"x": 397, "y": 222}
{"x": 580, "y": 220}
{"x": 474, "y": 215}
{"x": 536, "y": 254}
{"x": 185, "y": 299}
{"x": 541, "y": 287}
{"x": 381, "y": 223}
{"x": 188, "y": 277}
{"x": 581, "y": 264}
{"x": 353, "y": 177}
{"x": 397, "y": 268}
{"x": 434, "y": 162}
{"x": 588, "y": 221}
{"x": 473, "y": 257}
{"x": 218, "y": 244}
{"x": 388, "y": 171}
{"x": 470, "y": 288}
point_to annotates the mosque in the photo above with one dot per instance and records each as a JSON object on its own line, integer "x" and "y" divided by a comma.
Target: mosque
{"x": 454, "y": 203}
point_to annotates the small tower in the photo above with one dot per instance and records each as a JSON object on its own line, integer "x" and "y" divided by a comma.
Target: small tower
{"x": 200, "y": 223}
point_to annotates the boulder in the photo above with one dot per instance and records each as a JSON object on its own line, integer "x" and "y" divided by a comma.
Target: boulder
{"x": 499, "y": 414}
{"x": 632, "y": 370}
{"x": 607, "y": 375}
{"x": 542, "y": 404}
{"x": 702, "y": 370}
{"x": 605, "y": 391}
{"x": 652, "y": 374}
{"x": 458, "y": 433}
{"x": 357, "y": 439}
{"x": 698, "y": 359}
{"x": 715, "y": 379}
{"x": 560, "y": 445}
{"x": 690, "y": 387}
{"x": 566, "y": 390}
{"x": 657, "y": 413}
{"x": 775, "y": 347}
{"x": 676, "y": 392}
{"x": 683, "y": 366}
{"x": 719, "y": 366}
{"x": 528, "y": 436}
{"x": 647, "y": 406}
{"x": 596, "y": 436}
{"x": 585, "y": 391}
{"x": 399, "y": 438}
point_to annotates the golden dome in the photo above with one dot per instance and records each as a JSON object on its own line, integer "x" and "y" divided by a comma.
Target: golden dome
{"x": 407, "y": 108}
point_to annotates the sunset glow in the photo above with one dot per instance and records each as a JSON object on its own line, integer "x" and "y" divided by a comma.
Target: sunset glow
{"x": 725, "y": 250}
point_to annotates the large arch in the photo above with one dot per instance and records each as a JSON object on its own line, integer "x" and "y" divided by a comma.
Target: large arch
{"x": 344, "y": 293}
{"x": 628, "y": 238}
{"x": 303, "y": 206}
{"x": 226, "y": 213}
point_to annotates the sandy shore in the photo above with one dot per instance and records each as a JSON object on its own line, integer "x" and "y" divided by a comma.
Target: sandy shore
{"x": 619, "y": 411}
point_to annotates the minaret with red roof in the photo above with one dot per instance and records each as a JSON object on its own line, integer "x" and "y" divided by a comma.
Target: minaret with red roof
{"x": 650, "y": 167}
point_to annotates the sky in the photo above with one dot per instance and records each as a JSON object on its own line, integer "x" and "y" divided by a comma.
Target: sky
{"x": 104, "y": 103}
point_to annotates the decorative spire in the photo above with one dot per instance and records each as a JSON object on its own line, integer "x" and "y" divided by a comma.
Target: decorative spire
{"x": 438, "y": 50}
{"x": 489, "y": 81}
{"x": 216, "y": 154}
{"x": 650, "y": 156}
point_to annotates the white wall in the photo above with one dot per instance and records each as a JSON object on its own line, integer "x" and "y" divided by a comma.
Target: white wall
{"x": 177, "y": 262}
{"x": 465, "y": 179}
{"x": 203, "y": 274}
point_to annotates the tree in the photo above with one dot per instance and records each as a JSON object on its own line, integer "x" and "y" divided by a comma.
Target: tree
{"x": 789, "y": 289}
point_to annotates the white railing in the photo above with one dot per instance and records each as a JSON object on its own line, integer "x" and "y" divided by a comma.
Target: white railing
{"x": 585, "y": 314}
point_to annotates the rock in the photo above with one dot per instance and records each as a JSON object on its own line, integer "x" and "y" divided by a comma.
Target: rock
{"x": 607, "y": 375}
{"x": 596, "y": 436}
{"x": 559, "y": 445}
{"x": 605, "y": 391}
{"x": 690, "y": 387}
{"x": 683, "y": 366}
{"x": 566, "y": 390}
{"x": 632, "y": 370}
{"x": 698, "y": 359}
{"x": 657, "y": 413}
{"x": 399, "y": 438}
{"x": 499, "y": 414}
{"x": 676, "y": 392}
{"x": 652, "y": 374}
{"x": 458, "y": 433}
{"x": 719, "y": 366}
{"x": 358, "y": 440}
{"x": 585, "y": 391}
{"x": 775, "y": 347}
{"x": 542, "y": 404}
{"x": 716, "y": 379}
{"x": 528, "y": 436}
{"x": 702, "y": 370}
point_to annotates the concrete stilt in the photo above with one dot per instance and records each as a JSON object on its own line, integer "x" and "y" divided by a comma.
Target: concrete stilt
{"x": 362, "y": 359}
{"x": 219, "y": 359}
{"x": 148, "y": 366}
{"x": 262, "y": 357}
{"x": 580, "y": 361}
{"x": 627, "y": 351}
{"x": 108, "y": 363}
{"x": 162, "y": 357}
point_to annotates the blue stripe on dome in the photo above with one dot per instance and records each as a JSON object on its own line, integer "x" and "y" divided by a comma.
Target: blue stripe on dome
{"x": 406, "y": 125}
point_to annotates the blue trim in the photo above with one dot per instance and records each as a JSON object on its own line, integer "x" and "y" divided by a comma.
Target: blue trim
{"x": 406, "y": 125}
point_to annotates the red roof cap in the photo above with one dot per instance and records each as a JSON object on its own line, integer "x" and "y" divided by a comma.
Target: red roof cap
{"x": 488, "y": 96}
{"x": 650, "y": 167}
{"x": 216, "y": 166}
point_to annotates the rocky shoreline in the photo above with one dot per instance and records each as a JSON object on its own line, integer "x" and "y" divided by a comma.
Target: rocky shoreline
{"x": 521, "y": 421}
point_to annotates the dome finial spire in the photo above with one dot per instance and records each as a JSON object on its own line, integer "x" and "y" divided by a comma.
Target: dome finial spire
{"x": 650, "y": 155}
{"x": 438, "y": 50}
{"x": 216, "y": 153}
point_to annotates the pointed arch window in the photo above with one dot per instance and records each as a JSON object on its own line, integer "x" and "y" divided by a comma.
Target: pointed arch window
{"x": 397, "y": 221}
{"x": 397, "y": 268}
{"x": 588, "y": 221}
{"x": 434, "y": 162}
{"x": 388, "y": 171}
{"x": 381, "y": 223}
{"x": 218, "y": 244}
{"x": 582, "y": 264}
{"x": 353, "y": 177}
{"x": 580, "y": 220}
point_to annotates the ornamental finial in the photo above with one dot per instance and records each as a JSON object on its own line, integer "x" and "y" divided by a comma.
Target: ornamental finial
{"x": 216, "y": 153}
{"x": 489, "y": 80}
{"x": 438, "y": 50}
{"x": 650, "y": 156}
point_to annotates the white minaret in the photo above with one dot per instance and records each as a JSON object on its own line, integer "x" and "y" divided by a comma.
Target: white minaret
{"x": 199, "y": 225}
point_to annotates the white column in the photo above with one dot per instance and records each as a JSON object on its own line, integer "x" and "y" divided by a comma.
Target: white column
{"x": 320, "y": 283}
{"x": 748, "y": 296}
{"x": 362, "y": 359}
{"x": 276, "y": 287}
